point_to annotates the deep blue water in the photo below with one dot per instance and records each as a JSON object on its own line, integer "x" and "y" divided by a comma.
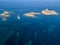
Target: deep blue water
{"x": 44, "y": 30}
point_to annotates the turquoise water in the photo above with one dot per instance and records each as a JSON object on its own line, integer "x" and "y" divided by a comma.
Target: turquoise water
{"x": 43, "y": 30}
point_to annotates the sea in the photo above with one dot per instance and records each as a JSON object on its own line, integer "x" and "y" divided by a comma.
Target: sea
{"x": 43, "y": 30}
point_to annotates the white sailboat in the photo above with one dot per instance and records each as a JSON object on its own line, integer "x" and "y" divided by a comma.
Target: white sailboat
{"x": 18, "y": 17}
